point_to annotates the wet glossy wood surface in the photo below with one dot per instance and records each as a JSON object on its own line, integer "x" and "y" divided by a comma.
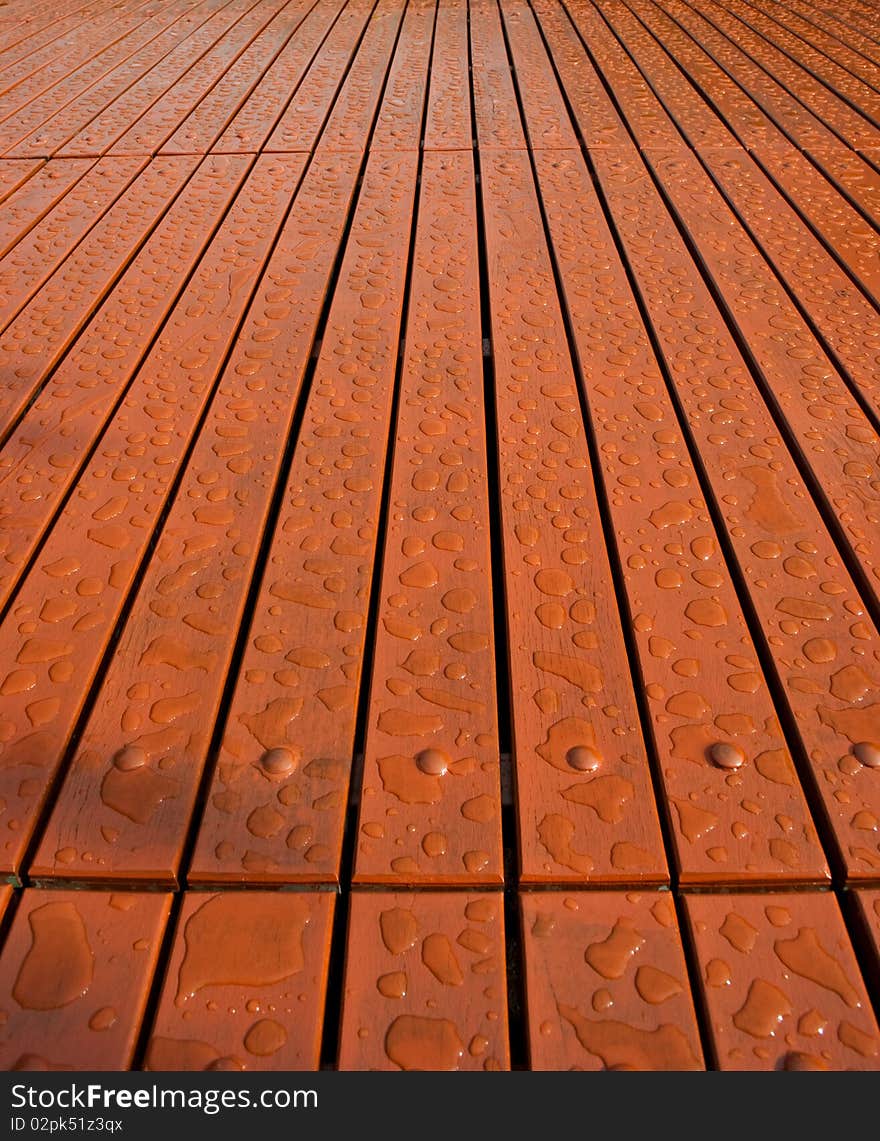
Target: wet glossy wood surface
{"x": 439, "y": 534}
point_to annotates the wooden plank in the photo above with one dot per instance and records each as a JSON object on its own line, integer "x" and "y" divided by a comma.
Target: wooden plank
{"x": 151, "y": 129}
{"x": 75, "y": 974}
{"x": 286, "y": 756}
{"x": 836, "y": 65}
{"x": 780, "y": 983}
{"x": 606, "y": 983}
{"x": 24, "y": 31}
{"x": 82, "y": 93}
{"x": 35, "y": 72}
{"x": 575, "y": 720}
{"x": 276, "y": 808}
{"x": 818, "y": 631}
{"x": 68, "y": 606}
{"x": 29, "y": 199}
{"x": 245, "y": 983}
{"x": 799, "y": 382}
{"x": 93, "y": 120}
{"x": 547, "y": 125}
{"x": 204, "y": 561}
{"x": 43, "y": 456}
{"x": 399, "y": 124}
{"x": 323, "y": 46}
{"x": 829, "y": 153}
{"x": 696, "y": 659}
{"x": 425, "y": 983}
{"x": 837, "y": 40}
{"x": 42, "y": 330}
{"x": 834, "y": 439}
{"x": 31, "y": 262}
{"x": 6, "y": 894}
{"x": 448, "y": 120}
{"x": 14, "y": 172}
{"x": 431, "y": 799}
{"x": 355, "y": 107}
{"x": 822, "y": 101}
{"x": 495, "y": 111}
{"x": 865, "y": 906}
{"x": 851, "y": 240}
{"x": 843, "y": 320}
{"x": 598, "y": 123}
{"x": 205, "y": 123}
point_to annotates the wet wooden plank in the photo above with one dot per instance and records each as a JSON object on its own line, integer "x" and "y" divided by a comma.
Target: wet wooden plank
{"x": 322, "y": 47}
{"x": 585, "y": 809}
{"x": 495, "y": 112}
{"x": 32, "y": 190}
{"x": 398, "y": 126}
{"x": 96, "y": 119}
{"x": 425, "y": 983}
{"x": 821, "y": 100}
{"x": 822, "y": 26}
{"x": 780, "y": 983}
{"x": 14, "y": 172}
{"x": 431, "y": 797}
{"x": 355, "y": 107}
{"x": 547, "y": 123}
{"x": 838, "y": 68}
{"x": 31, "y": 261}
{"x": 206, "y": 555}
{"x": 67, "y": 608}
{"x": 865, "y": 906}
{"x": 75, "y": 99}
{"x": 6, "y": 893}
{"x": 245, "y": 984}
{"x": 22, "y": 32}
{"x": 75, "y": 974}
{"x": 818, "y": 637}
{"x": 103, "y": 35}
{"x": 151, "y": 129}
{"x": 43, "y": 454}
{"x": 448, "y": 118}
{"x": 606, "y": 983}
{"x": 832, "y": 156}
{"x": 843, "y": 320}
{"x": 709, "y": 702}
{"x": 307, "y": 632}
{"x": 846, "y": 234}
{"x": 206, "y": 121}
{"x": 276, "y": 808}
{"x": 830, "y": 433}
{"x": 598, "y": 123}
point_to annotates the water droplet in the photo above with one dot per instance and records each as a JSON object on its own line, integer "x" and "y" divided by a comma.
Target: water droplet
{"x": 583, "y": 759}
{"x": 279, "y": 761}
{"x": 868, "y": 753}
{"x": 434, "y": 762}
{"x": 57, "y": 968}
{"x": 129, "y": 758}
{"x": 727, "y": 756}
{"x": 415, "y": 1043}
{"x": 265, "y": 1037}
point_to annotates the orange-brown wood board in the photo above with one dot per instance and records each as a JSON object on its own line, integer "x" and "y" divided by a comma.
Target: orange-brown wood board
{"x": 439, "y": 534}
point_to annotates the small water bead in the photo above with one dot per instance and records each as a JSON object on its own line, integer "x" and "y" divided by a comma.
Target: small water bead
{"x": 583, "y": 759}
{"x": 129, "y": 758}
{"x": 868, "y": 753}
{"x": 726, "y": 756}
{"x": 434, "y": 762}
{"x": 278, "y": 761}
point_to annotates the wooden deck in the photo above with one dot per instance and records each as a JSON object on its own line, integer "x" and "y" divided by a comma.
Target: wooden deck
{"x": 440, "y": 476}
